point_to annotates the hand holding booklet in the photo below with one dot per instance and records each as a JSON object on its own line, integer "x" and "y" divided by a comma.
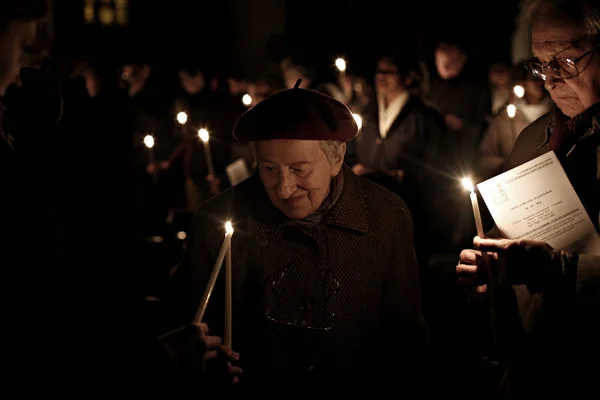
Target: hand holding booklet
{"x": 536, "y": 201}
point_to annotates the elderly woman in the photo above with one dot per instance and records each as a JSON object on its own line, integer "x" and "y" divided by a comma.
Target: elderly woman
{"x": 555, "y": 338}
{"x": 325, "y": 280}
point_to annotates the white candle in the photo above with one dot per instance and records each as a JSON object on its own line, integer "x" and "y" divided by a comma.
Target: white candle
{"x": 490, "y": 285}
{"x": 149, "y": 142}
{"x": 228, "y": 295}
{"x": 340, "y": 64}
{"x": 204, "y": 136}
{"x": 215, "y": 273}
{"x": 475, "y": 204}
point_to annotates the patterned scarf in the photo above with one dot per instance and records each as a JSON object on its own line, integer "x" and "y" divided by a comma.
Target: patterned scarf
{"x": 335, "y": 191}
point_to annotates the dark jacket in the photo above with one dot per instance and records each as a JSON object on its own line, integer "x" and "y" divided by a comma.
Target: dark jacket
{"x": 551, "y": 340}
{"x": 353, "y": 278}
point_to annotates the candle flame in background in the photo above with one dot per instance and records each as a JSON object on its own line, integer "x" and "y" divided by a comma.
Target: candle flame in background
{"x": 358, "y": 120}
{"x": 519, "y": 91}
{"x": 247, "y": 99}
{"x": 149, "y": 141}
{"x": 468, "y": 184}
{"x": 511, "y": 110}
{"x": 228, "y": 228}
{"x": 181, "y": 117}
{"x": 340, "y": 63}
{"x": 203, "y": 134}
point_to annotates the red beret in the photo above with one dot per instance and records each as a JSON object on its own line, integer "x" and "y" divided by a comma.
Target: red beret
{"x": 298, "y": 114}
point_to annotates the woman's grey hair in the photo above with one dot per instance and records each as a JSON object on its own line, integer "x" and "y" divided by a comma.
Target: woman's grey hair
{"x": 331, "y": 148}
{"x": 584, "y": 14}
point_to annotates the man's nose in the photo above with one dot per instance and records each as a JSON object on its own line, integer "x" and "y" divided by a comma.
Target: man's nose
{"x": 286, "y": 185}
{"x": 551, "y": 79}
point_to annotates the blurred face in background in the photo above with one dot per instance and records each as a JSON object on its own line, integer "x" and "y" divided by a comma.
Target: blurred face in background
{"x": 449, "y": 60}
{"x": 15, "y": 38}
{"x": 192, "y": 84}
{"x": 259, "y": 91}
{"x": 388, "y": 80}
{"x": 291, "y": 75}
{"x": 499, "y": 75}
{"x": 535, "y": 91}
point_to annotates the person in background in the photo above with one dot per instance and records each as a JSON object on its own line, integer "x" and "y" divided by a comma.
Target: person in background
{"x": 505, "y": 127}
{"x": 549, "y": 305}
{"x": 501, "y": 91}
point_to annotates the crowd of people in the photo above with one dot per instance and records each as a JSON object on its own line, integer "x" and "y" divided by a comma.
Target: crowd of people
{"x": 348, "y": 220}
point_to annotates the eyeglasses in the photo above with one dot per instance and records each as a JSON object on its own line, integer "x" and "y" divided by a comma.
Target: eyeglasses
{"x": 562, "y": 68}
{"x": 290, "y": 303}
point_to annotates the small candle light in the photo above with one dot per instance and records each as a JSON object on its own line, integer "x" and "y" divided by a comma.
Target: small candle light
{"x": 358, "y": 120}
{"x": 467, "y": 184}
{"x": 511, "y": 110}
{"x": 519, "y": 91}
{"x": 214, "y": 275}
{"x": 340, "y": 64}
{"x": 204, "y": 136}
{"x": 247, "y": 99}
{"x": 182, "y": 117}
{"x": 149, "y": 141}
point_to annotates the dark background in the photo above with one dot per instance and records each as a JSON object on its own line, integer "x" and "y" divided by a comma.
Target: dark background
{"x": 211, "y": 33}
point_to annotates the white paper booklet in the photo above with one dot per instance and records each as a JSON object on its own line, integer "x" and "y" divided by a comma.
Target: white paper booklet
{"x": 536, "y": 201}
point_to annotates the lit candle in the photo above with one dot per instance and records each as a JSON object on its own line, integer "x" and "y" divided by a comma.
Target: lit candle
{"x": 340, "y": 64}
{"x": 490, "y": 286}
{"x": 204, "y": 136}
{"x": 214, "y": 275}
{"x": 149, "y": 142}
{"x": 247, "y": 100}
{"x": 467, "y": 184}
{"x": 519, "y": 91}
{"x": 228, "y": 295}
{"x": 511, "y": 110}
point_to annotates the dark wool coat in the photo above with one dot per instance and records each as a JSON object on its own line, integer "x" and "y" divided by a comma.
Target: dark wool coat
{"x": 351, "y": 280}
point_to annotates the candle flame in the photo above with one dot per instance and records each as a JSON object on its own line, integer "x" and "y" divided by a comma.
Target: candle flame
{"x": 182, "y": 118}
{"x": 468, "y": 184}
{"x": 519, "y": 91}
{"x": 228, "y": 228}
{"x": 340, "y": 63}
{"x": 149, "y": 141}
{"x": 511, "y": 110}
{"x": 203, "y": 134}
{"x": 247, "y": 99}
{"x": 358, "y": 120}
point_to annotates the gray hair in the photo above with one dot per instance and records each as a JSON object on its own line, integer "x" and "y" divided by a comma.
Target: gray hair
{"x": 584, "y": 14}
{"x": 331, "y": 148}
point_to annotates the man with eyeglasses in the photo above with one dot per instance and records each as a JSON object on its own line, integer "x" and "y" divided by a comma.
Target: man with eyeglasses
{"x": 549, "y": 324}
{"x": 325, "y": 281}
